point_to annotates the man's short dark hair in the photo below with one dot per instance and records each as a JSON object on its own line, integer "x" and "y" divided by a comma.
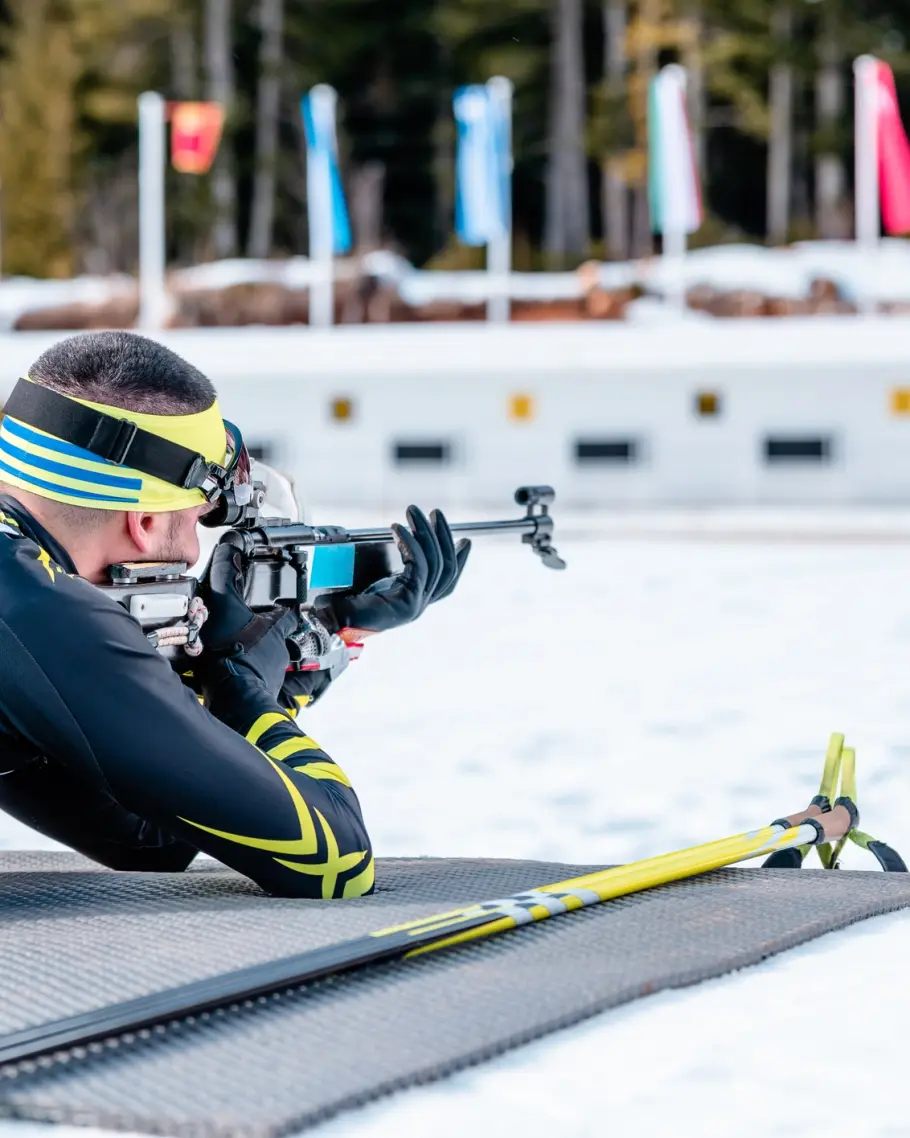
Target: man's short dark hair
{"x": 124, "y": 370}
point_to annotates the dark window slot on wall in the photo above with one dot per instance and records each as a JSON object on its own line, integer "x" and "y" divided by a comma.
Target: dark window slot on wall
{"x": 438, "y": 453}
{"x": 261, "y": 452}
{"x": 614, "y": 452}
{"x": 805, "y": 449}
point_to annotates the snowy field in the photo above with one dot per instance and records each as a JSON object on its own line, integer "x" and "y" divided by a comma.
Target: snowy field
{"x": 665, "y": 690}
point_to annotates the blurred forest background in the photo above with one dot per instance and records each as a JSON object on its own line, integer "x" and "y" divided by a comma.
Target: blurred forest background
{"x": 771, "y": 92}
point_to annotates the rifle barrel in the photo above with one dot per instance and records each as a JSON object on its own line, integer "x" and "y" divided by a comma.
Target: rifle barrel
{"x": 263, "y": 540}
{"x": 301, "y": 534}
{"x": 518, "y": 525}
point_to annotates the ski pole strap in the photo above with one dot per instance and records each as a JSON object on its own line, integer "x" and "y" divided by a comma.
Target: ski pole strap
{"x": 827, "y": 790}
{"x": 839, "y": 774}
{"x": 889, "y": 859}
{"x": 847, "y": 799}
{"x": 833, "y": 760}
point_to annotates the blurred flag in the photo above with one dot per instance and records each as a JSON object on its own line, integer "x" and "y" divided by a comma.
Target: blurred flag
{"x": 482, "y": 165}
{"x": 195, "y": 134}
{"x": 673, "y": 189}
{"x": 882, "y": 141}
{"x": 330, "y": 228}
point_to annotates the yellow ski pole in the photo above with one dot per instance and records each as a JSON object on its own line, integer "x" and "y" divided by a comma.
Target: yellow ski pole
{"x": 810, "y": 827}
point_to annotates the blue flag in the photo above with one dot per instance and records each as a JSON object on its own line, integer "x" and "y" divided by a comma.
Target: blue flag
{"x": 329, "y": 224}
{"x": 482, "y": 165}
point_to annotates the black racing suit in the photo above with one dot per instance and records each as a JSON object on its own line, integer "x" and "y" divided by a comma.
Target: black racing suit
{"x": 104, "y": 749}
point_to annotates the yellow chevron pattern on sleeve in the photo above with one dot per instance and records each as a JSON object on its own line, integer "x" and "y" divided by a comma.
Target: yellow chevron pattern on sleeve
{"x": 263, "y": 723}
{"x": 294, "y": 746}
{"x": 301, "y": 701}
{"x": 324, "y": 770}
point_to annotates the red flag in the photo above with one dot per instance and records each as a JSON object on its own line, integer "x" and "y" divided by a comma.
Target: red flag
{"x": 195, "y": 134}
{"x": 893, "y": 154}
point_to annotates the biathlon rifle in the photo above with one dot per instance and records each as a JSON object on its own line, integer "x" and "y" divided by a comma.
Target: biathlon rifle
{"x": 292, "y": 563}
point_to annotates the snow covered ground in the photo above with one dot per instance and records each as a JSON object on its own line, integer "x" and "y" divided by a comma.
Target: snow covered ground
{"x": 657, "y": 694}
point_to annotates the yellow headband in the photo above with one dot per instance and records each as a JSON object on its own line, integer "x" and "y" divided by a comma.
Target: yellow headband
{"x": 38, "y": 462}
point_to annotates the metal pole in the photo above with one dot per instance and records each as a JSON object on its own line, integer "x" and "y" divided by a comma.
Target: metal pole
{"x": 499, "y": 248}
{"x": 677, "y": 209}
{"x": 319, "y": 198}
{"x": 674, "y": 250}
{"x": 868, "y": 206}
{"x": 152, "y": 158}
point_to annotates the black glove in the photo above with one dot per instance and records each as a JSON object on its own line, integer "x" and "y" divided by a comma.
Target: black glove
{"x": 239, "y": 642}
{"x": 301, "y": 689}
{"x": 433, "y": 565}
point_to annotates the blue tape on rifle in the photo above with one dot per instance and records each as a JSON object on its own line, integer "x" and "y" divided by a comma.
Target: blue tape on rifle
{"x": 332, "y": 567}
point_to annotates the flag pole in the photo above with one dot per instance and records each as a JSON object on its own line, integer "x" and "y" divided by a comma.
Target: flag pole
{"x": 675, "y": 247}
{"x": 499, "y": 246}
{"x": 675, "y": 235}
{"x": 323, "y": 100}
{"x": 674, "y": 193}
{"x": 152, "y": 262}
{"x": 868, "y": 203}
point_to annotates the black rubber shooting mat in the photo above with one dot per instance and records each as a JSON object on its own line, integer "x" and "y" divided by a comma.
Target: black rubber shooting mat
{"x": 73, "y": 937}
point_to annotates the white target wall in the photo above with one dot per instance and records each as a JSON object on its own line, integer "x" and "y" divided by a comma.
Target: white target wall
{"x": 700, "y": 412}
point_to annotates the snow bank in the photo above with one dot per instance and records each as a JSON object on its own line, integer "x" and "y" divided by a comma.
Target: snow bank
{"x": 786, "y": 273}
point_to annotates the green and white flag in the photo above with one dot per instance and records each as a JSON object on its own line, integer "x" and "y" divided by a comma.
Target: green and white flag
{"x": 673, "y": 188}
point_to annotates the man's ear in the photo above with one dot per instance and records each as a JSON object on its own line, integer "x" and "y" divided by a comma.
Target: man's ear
{"x": 142, "y": 529}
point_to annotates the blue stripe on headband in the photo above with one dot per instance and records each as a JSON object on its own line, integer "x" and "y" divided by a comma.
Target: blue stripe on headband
{"x": 50, "y": 443}
{"x": 67, "y": 490}
{"x": 77, "y": 472}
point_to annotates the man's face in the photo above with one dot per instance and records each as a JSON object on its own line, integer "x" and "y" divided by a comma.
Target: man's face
{"x": 175, "y": 536}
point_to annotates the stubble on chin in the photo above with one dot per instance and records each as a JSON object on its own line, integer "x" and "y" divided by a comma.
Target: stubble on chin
{"x": 173, "y": 545}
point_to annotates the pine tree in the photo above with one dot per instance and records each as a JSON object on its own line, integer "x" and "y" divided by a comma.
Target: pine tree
{"x": 71, "y": 71}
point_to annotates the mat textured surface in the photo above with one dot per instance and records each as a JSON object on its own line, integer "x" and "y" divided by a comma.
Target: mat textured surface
{"x": 73, "y": 938}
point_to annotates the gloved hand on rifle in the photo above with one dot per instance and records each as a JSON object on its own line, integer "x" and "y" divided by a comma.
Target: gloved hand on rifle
{"x": 240, "y": 645}
{"x": 239, "y": 642}
{"x": 432, "y": 567}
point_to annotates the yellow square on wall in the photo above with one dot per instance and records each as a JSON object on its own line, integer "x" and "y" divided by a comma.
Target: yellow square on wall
{"x": 521, "y": 407}
{"x": 900, "y": 401}
{"x": 707, "y": 404}
{"x": 342, "y": 410}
